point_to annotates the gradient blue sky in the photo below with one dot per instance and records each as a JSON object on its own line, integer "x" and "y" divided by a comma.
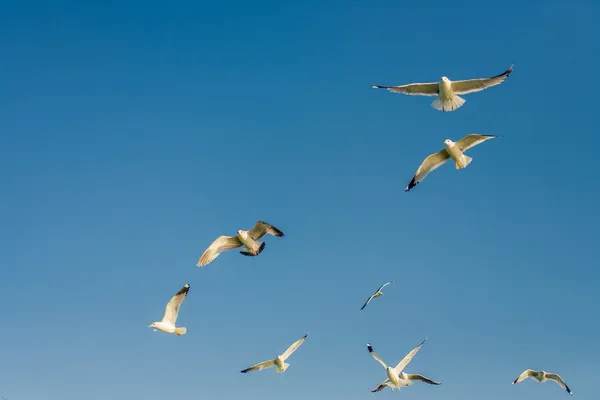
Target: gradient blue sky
{"x": 133, "y": 134}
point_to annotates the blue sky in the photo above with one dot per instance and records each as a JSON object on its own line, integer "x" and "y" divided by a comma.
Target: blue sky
{"x": 133, "y": 135}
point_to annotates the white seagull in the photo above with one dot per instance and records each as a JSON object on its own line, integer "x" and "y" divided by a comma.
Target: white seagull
{"x": 396, "y": 378}
{"x": 376, "y": 294}
{"x": 167, "y": 324}
{"x": 542, "y": 376}
{"x": 452, "y": 150}
{"x": 447, "y": 90}
{"x": 279, "y": 361}
{"x": 249, "y": 239}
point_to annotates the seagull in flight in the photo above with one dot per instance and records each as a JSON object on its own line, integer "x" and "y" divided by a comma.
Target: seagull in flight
{"x": 248, "y": 239}
{"x": 447, "y": 91}
{"x": 279, "y": 361}
{"x": 452, "y": 150}
{"x": 542, "y": 376}
{"x": 396, "y": 378}
{"x": 376, "y": 294}
{"x": 167, "y": 324}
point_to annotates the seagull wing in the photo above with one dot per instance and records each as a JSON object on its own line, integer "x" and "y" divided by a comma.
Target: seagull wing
{"x": 382, "y": 386}
{"x": 414, "y": 89}
{"x": 221, "y": 244}
{"x": 384, "y": 285}
{"x": 368, "y": 301}
{"x": 262, "y": 228}
{"x": 293, "y": 348}
{"x": 172, "y": 309}
{"x": 375, "y": 356}
{"x": 259, "y": 366}
{"x": 524, "y": 375}
{"x": 417, "y": 377}
{"x": 475, "y": 85}
{"x": 431, "y": 163}
{"x": 472, "y": 140}
{"x": 402, "y": 364}
{"x": 556, "y": 378}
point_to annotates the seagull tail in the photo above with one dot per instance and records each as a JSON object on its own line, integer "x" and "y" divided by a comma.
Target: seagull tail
{"x": 284, "y": 366}
{"x": 448, "y": 105}
{"x": 180, "y": 331}
{"x": 466, "y": 162}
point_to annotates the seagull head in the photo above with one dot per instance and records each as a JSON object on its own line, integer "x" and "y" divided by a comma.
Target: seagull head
{"x": 448, "y": 142}
{"x": 152, "y": 325}
{"x": 444, "y": 79}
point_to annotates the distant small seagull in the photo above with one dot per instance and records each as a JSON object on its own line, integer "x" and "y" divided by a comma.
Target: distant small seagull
{"x": 452, "y": 150}
{"x": 167, "y": 324}
{"x": 447, "y": 90}
{"x": 376, "y": 294}
{"x": 542, "y": 376}
{"x": 243, "y": 238}
{"x": 279, "y": 362}
{"x": 396, "y": 378}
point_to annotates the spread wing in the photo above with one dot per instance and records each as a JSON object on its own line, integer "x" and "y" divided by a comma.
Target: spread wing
{"x": 472, "y": 140}
{"x": 382, "y": 386}
{"x": 414, "y": 89}
{"x": 221, "y": 244}
{"x": 384, "y": 285}
{"x": 417, "y": 377}
{"x": 402, "y": 364}
{"x": 475, "y": 85}
{"x": 368, "y": 301}
{"x": 293, "y": 348}
{"x": 431, "y": 163}
{"x": 259, "y": 366}
{"x": 556, "y": 378}
{"x": 375, "y": 356}
{"x": 524, "y": 375}
{"x": 262, "y": 228}
{"x": 173, "y": 305}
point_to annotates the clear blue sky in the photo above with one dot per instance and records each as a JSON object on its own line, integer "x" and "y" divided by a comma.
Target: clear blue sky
{"x": 132, "y": 135}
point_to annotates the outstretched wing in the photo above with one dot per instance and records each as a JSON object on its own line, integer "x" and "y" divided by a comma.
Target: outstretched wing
{"x": 472, "y": 140}
{"x": 368, "y": 301}
{"x": 384, "y": 285}
{"x": 382, "y": 386}
{"x": 172, "y": 309}
{"x": 414, "y": 89}
{"x": 293, "y": 348}
{"x": 417, "y": 377}
{"x": 475, "y": 85}
{"x": 262, "y": 228}
{"x": 556, "y": 378}
{"x": 402, "y": 364}
{"x": 221, "y": 244}
{"x": 524, "y": 375}
{"x": 375, "y": 356}
{"x": 259, "y": 366}
{"x": 431, "y": 163}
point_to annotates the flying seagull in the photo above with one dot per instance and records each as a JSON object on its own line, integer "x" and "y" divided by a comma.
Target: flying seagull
{"x": 542, "y": 376}
{"x": 167, "y": 324}
{"x": 376, "y": 294}
{"x": 447, "y": 90}
{"x": 248, "y": 239}
{"x": 279, "y": 362}
{"x": 396, "y": 378}
{"x": 451, "y": 150}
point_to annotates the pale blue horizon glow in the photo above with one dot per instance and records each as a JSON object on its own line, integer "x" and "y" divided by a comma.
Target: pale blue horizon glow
{"x": 132, "y": 135}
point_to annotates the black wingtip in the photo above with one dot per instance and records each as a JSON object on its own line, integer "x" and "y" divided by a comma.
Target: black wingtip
{"x": 244, "y": 371}
{"x": 411, "y": 185}
{"x": 250, "y": 254}
{"x": 184, "y": 289}
{"x": 370, "y": 347}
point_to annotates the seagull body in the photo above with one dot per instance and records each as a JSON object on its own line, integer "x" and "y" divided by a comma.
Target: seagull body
{"x": 248, "y": 239}
{"x": 542, "y": 376}
{"x": 279, "y": 361}
{"x": 377, "y": 294}
{"x": 396, "y": 378}
{"x": 452, "y": 150}
{"x": 447, "y": 91}
{"x": 167, "y": 324}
